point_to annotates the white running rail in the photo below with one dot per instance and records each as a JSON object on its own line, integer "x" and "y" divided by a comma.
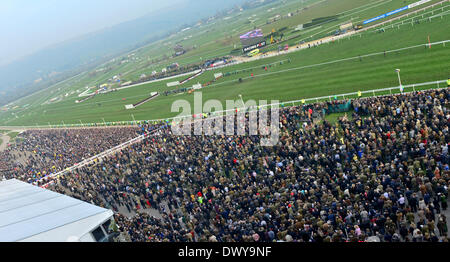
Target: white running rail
{"x": 99, "y": 157}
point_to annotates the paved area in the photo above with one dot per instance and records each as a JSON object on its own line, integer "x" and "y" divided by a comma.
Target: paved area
{"x": 445, "y": 212}
{"x": 4, "y": 141}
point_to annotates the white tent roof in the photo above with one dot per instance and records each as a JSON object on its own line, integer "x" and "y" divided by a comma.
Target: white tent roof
{"x": 31, "y": 213}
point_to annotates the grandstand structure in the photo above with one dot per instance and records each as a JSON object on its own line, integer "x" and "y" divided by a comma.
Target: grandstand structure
{"x": 352, "y": 163}
{"x": 31, "y": 214}
{"x": 80, "y": 172}
{"x": 404, "y": 89}
{"x": 442, "y": 93}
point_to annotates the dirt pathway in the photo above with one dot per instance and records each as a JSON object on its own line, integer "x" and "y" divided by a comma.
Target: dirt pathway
{"x": 4, "y": 141}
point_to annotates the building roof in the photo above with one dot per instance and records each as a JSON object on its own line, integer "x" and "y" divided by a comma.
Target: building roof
{"x": 31, "y": 213}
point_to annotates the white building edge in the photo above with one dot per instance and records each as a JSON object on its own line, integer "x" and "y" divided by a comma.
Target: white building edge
{"x": 32, "y": 214}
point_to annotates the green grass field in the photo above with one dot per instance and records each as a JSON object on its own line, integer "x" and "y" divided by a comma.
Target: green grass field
{"x": 12, "y": 135}
{"x": 334, "y": 117}
{"x": 304, "y": 77}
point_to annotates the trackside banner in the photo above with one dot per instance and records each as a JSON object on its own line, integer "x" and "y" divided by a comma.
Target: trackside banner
{"x": 418, "y": 3}
{"x": 386, "y": 15}
{"x": 396, "y": 11}
{"x": 253, "y": 47}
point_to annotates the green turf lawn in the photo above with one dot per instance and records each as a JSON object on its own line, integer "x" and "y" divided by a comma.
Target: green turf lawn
{"x": 418, "y": 65}
{"x": 302, "y": 78}
{"x": 205, "y": 38}
{"x": 214, "y": 42}
{"x": 334, "y": 117}
{"x": 12, "y": 135}
{"x": 210, "y": 39}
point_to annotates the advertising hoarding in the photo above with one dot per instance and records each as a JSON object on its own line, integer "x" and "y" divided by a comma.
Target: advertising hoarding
{"x": 252, "y": 38}
{"x": 396, "y": 11}
{"x": 253, "y": 47}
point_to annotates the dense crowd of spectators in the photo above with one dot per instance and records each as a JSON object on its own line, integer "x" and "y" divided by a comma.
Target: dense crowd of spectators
{"x": 380, "y": 175}
{"x": 38, "y": 153}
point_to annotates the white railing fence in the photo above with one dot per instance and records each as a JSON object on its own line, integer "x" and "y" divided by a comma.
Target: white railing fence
{"x": 407, "y": 88}
{"x": 94, "y": 159}
{"x": 359, "y": 94}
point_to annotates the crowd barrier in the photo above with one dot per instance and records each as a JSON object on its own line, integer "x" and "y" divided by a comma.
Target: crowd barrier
{"x": 406, "y": 88}
{"x": 372, "y": 93}
{"x": 95, "y": 159}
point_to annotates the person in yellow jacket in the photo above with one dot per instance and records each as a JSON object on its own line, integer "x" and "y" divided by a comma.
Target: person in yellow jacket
{"x": 448, "y": 82}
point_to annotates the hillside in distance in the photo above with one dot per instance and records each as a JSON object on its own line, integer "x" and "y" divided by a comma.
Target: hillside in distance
{"x": 59, "y": 61}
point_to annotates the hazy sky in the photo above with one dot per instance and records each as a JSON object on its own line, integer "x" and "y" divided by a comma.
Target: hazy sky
{"x": 29, "y": 25}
